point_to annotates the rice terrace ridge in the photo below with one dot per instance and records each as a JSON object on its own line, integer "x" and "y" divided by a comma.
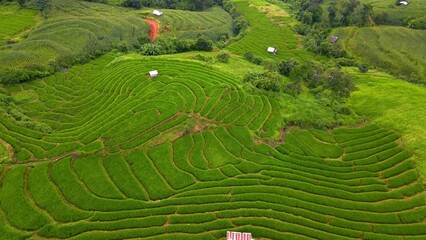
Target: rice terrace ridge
{"x": 212, "y": 119}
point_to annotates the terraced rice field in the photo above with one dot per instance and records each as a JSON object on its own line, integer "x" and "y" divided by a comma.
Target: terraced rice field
{"x": 270, "y": 26}
{"x": 386, "y": 9}
{"x": 375, "y": 46}
{"x": 177, "y": 157}
{"x": 415, "y": 9}
{"x": 73, "y": 31}
{"x": 212, "y": 23}
{"x": 394, "y": 104}
{"x": 14, "y": 20}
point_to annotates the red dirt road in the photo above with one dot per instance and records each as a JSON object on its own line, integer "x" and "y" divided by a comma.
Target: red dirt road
{"x": 153, "y": 29}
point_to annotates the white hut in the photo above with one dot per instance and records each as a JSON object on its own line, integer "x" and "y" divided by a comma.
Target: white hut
{"x": 157, "y": 13}
{"x": 272, "y": 50}
{"x": 153, "y": 73}
{"x": 334, "y": 39}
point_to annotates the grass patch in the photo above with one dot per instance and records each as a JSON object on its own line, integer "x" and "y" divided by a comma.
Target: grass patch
{"x": 14, "y": 20}
{"x": 375, "y": 46}
{"x": 264, "y": 33}
{"x": 394, "y": 104}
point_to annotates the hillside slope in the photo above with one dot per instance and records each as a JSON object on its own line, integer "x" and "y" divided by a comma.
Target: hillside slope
{"x": 394, "y": 104}
{"x": 270, "y": 26}
{"x": 14, "y": 20}
{"x": 397, "y": 50}
{"x": 73, "y": 32}
{"x": 212, "y": 23}
{"x": 176, "y": 157}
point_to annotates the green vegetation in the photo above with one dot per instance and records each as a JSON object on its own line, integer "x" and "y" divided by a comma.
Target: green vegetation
{"x": 270, "y": 26}
{"x": 395, "y": 15}
{"x": 14, "y": 20}
{"x": 191, "y": 145}
{"x": 397, "y": 50}
{"x": 74, "y": 32}
{"x": 4, "y": 152}
{"x": 382, "y": 12}
{"x": 213, "y": 23}
{"x": 193, "y": 5}
{"x": 137, "y": 107}
{"x": 394, "y": 104}
{"x": 103, "y": 149}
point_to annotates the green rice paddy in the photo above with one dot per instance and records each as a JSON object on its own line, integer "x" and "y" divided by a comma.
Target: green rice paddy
{"x": 270, "y": 26}
{"x": 394, "y": 104}
{"x": 13, "y": 20}
{"x": 415, "y": 9}
{"x": 74, "y": 32}
{"x": 397, "y": 50}
{"x": 191, "y": 153}
{"x": 138, "y": 157}
{"x": 213, "y": 23}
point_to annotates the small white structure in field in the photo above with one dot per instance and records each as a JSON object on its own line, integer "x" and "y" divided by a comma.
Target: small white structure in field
{"x": 402, "y": 3}
{"x": 157, "y": 13}
{"x": 153, "y": 73}
{"x": 272, "y": 50}
{"x": 334, "y": 39}
{"x": 238, "y": 236}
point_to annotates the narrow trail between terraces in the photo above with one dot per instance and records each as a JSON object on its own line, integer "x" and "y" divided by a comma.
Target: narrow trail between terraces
{"x": 153, "y": 29}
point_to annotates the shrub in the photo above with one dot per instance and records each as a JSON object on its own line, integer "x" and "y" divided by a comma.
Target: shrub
{"x": 203, "y": 58}
{"x": 270, "y": 65}
{"x": 257, "y": 60}
{"x": 248, "y": 56}
{"x": 285, "y": 67}
{"x": 150, "y": 49}
{"x": 203, "y": 44}
{"x": 269, "y": 81}
{"x": 363, "y": 68}
{"x": 346, "y": 62}
{"x": 419, "y": 23}
{"x": 223, "y": 57}
{"x": 132, "y": 3}
{"x": 123, "y": 46}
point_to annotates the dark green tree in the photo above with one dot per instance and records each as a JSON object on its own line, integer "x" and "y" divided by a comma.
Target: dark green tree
{"x": 347, "y": 10}
{"x": 203, "y": 44}
{"x": 21, "y": 3}
{"x": 285, "y": 67}
{"x": 332, "y": 12}
{"x": 150, "y": 49}
{"x": 340, "y": 84}
{"x": 42, "y": 5}
{"x": 268, "y": 81}
{"x": 132, "y": 3}
{"x": 365, "y": 11}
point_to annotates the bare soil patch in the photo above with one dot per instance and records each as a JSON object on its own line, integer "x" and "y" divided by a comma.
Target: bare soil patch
{"x": 153, "y": 29}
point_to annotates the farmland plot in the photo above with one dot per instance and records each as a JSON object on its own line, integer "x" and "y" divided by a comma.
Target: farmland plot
{"x": 174, "y": 157}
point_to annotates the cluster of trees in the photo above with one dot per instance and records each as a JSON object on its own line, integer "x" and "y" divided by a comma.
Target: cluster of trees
{"x": 222, "y": 56}
{"x": 193, "y": 5}
{"x": 168, "y": 46}
{"x": 321, "y": 90}
{"x": 415, "y": 23}
{"x": 291, "y": 77}
{"x": 240, "y": 23}
{"x": 39, "y": 4}
{"x": 344, "y": 13}
{"x": 316, "y": 25}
